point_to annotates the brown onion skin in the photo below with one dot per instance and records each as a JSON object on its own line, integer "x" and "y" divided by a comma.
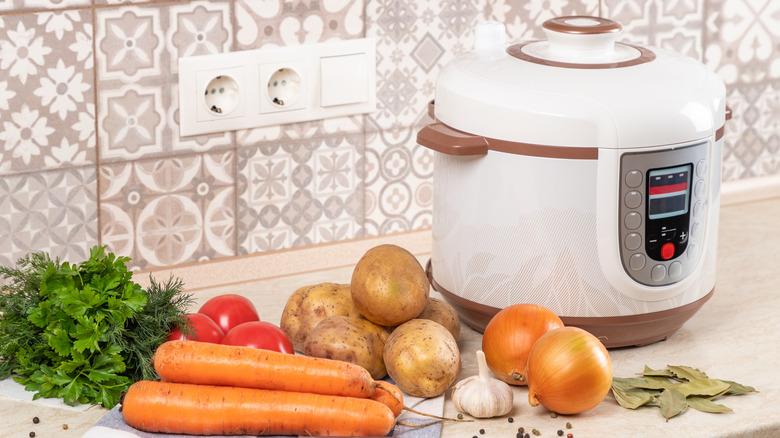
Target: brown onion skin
{"x": 569, "y": 371}
{"x": 509, "y": 336}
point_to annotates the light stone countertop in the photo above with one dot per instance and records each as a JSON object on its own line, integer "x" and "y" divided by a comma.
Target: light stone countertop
{"x": 731, "y": 337}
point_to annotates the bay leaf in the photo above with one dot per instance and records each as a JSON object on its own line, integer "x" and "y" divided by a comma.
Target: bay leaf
{"x": 630, "y": 397}
{"x": 706, "y": 405}
{"x": 654, "y": 383}
{"x": 737, "y": 389}
{"x": 705, "y": 387}
{"x": 672, "y": 402}
{"x": 649, "y": 372}
{"x": 686, "y": 373}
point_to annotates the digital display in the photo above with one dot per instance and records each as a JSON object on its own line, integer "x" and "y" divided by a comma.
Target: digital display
{"x": 668, "y": 191}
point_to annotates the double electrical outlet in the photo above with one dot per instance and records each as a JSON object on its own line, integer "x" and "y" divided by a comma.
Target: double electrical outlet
{"x": 272, "y": 86}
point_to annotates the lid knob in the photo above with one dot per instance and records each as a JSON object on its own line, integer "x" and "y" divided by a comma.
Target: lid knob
{"x": 489, "y": 35}
{"x": 581, "y": 37}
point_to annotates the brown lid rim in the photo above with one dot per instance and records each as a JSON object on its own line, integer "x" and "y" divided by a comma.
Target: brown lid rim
{"x": 645, "y": 56}
{"x": 605, "y": 25}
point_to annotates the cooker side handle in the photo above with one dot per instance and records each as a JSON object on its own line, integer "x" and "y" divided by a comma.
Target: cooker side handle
{"x": 441, "y": 138}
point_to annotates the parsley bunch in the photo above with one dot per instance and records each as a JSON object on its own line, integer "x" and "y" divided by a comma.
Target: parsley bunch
{"x": 85, "y": 332}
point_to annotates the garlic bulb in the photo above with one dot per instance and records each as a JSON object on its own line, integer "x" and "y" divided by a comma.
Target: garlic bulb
{"x": 482, "y": 396}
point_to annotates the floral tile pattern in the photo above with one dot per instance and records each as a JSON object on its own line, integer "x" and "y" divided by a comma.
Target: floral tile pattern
{"x": 90, "y": 151}
{"x": 299, "y": 192}
{"x": 47, "y": 108}
{"x": 163, "y": 212}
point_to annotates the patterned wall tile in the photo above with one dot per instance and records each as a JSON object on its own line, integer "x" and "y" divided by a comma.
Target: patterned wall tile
{"x": 53, "y": 211}
{"x": 674, "y": 25}
{"x": 19, "y": 5}
{"x": 137, "y": 50}
{"x": 163, "y": 212}
{"x": 47, "y": 109}
{"x": 742, "y": 46}
{"x": 299, "y": 191}
{"x": 399, "y": 183}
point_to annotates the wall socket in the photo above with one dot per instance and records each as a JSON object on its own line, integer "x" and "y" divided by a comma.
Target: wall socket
{"x": 272, "y": 86}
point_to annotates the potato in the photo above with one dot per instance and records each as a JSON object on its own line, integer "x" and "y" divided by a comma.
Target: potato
{"x": 389, "y": 286}
{"x": 309, "y": 305}
{"x": 355, "y": 340}
{"x": 422, "y": 358}
{"x": 442, "y": 312}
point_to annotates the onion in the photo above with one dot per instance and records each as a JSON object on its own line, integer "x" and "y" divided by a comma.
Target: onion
{"x": 569, "y": 371}
{"x": 509, "y": 336}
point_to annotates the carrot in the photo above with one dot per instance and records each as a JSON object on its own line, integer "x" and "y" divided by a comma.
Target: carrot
{"x": 389, "y": 395}
{"x": 223, "y": 410}
{"x": 226, "y": 365}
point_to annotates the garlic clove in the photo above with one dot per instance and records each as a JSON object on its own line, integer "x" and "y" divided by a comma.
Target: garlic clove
{"x": 482, "y": 396}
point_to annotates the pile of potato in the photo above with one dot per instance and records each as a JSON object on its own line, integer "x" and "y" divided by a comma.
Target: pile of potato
{"x": 384, "y": 320}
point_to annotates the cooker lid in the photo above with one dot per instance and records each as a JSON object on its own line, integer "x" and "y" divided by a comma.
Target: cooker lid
{"x": 580, "y": 87}
{"x": 581, "y": 42}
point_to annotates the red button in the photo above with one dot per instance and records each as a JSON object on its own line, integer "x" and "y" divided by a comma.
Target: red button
{"x": 667, "y": 250}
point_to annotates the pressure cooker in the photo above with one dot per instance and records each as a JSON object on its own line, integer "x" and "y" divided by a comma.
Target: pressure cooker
{"x": 579, "y": 173}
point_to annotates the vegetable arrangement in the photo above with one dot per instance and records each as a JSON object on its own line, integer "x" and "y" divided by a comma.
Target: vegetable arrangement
{"x": 384, "y": 321}
{"x": 213, "y": 389}
{"x": 83, "y": 332}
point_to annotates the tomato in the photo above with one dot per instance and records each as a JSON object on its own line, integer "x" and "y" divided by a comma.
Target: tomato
{"x": 259, "y": 334}
{"x": 206, "y": 330}
{"x": 229, "y": 310}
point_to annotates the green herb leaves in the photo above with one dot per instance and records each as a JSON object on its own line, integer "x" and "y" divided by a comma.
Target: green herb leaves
{"x": 674, "y": 389}
{"x": 83, "y": 333}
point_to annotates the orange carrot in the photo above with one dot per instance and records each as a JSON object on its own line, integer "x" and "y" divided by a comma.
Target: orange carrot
{"x": 226, "y": 365}
{"x": 223, "y": 410}
{"x": 389, "y": 395}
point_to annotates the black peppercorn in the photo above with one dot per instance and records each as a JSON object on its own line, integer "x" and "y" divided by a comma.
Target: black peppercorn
{"x": 36, "y": 420}
{"x": 510, "y": 419}
{"x": 32, "y": 434}
{"x": 482, "y": 431}
{"x": 560, "y": 432}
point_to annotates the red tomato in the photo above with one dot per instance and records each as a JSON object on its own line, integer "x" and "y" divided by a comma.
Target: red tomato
{"x": 259, "y": 334}
{"x": 206, "y": 330}
{"x": 229, "y": 310}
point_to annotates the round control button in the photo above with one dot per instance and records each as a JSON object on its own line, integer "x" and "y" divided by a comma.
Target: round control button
{"x": 634, "y": 179}
{"x": 633, "y": 199}
{"x": 700, "y": 189}
{"x": 675, "y": 270}
{"x": 698, "y": 208}
{"x": 633, "y": 241}
{"x": 667, "y": 250}
{"x": 701, "y": 168}
{"x": 637, "y": 262}
{"x": 696, "y": 229}
{"x": 658, "y": 272}
{"x": 633, "y": 220}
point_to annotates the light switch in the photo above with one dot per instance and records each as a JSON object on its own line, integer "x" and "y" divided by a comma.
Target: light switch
{"x": 343, "y": 79}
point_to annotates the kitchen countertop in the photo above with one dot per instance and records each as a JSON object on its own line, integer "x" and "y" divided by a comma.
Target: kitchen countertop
{"x": 731, "y": 338}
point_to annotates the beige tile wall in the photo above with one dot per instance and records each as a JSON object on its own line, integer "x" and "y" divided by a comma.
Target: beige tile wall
{"x": 89, "y": 145}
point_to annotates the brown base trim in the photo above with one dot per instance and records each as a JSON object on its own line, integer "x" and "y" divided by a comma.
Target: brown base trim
{"x": 614, "y": 331}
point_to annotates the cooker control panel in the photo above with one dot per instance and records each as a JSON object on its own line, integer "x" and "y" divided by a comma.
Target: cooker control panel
{"x": 662, "y": 213}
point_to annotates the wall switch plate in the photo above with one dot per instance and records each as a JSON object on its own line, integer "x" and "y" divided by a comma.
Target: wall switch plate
{"x": 272, "y": 86}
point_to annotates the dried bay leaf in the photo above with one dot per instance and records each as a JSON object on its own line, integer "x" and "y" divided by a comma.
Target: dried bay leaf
{"x": 654, "y": 383}
{"x": 737, "y": 389}
{"x": 706, "y": 405}
{"x": 704, "y": 387}
{"x": 630, "y": 397}
{"x": 649, "y": 372}
{"x": 672, "y": 402}
{"x": 686, "y": 373}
